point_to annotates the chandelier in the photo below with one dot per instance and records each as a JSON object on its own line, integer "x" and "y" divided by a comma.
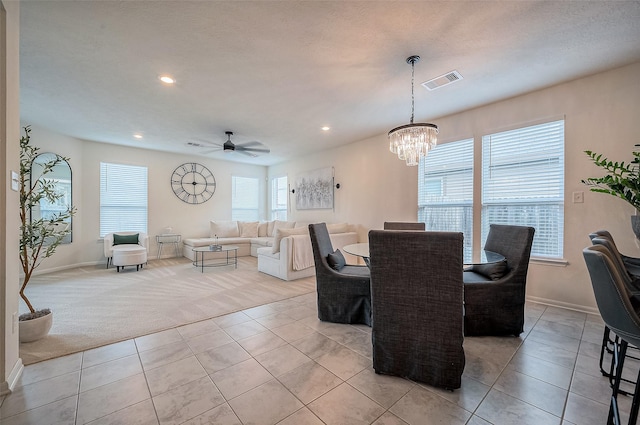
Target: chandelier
{"x": 413, "y": 141}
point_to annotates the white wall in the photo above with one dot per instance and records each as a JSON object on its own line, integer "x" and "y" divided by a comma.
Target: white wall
{"x": 10, "y": 363}
{"x": 600, "y": 112}
{"x": 165, "y": 209}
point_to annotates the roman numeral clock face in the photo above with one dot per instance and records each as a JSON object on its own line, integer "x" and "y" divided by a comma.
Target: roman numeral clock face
{"x": 193, "y": 183}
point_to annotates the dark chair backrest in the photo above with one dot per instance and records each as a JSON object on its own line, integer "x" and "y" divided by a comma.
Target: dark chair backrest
{"x": 417, "y": 305}
{"x": 613, "y": 302}
{"x": 402, "y": 225}
{"x": 514, "y": 243}
{"x": 321, "y": 245}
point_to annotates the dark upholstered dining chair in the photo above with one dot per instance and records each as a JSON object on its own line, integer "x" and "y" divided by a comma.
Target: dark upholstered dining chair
{"x": 495, "y": 305}
{"x": 344, "y": 295}
{"x": 416, "y": 295}
{"x": 403, "y": 225}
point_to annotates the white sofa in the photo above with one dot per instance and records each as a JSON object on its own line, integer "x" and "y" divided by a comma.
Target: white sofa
{"x": 247, "y": 236}
{"x": 291, "y": 256}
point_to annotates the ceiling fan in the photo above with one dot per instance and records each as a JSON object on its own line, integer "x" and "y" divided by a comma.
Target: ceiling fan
{"x": 249, "y": 148}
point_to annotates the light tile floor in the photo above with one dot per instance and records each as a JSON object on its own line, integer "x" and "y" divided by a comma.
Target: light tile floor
{"x": 278, "y": 364}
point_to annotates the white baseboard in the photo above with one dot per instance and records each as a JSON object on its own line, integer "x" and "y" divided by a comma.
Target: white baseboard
{"x": 7, "y": 386}
{"x": 69, "y": 266}
{"x": 569, "y": 306}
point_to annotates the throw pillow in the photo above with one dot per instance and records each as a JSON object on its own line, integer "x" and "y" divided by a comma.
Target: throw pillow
{"x": 283, "y": 233}
{"x": 125, "y": 239}
{"x": 248, "y": 229}
{"x": 336, "y": 260}
{"x": 278, "y": 224}
{"x": 338, "y": 228}
{"x": 263, "y": 229}
{"x": 224, "y": 229}
{"x": 493, "y": 271}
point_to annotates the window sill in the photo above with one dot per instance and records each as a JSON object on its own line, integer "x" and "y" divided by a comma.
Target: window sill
{"x": 556, "y": 262}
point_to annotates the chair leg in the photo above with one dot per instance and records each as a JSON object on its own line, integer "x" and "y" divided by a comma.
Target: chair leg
{"x": 633, "y": 414}
{"x": 606, "y": 340}
{"x": 619, "y": 351}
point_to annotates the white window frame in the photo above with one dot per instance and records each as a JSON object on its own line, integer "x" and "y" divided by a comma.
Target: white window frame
{"x": 123, "y": 198}
{"x": 245, "y": 198}
{"x": 450, "y": 166}
{"x": 279, "y": 198}
{"x": 533, "y": 195}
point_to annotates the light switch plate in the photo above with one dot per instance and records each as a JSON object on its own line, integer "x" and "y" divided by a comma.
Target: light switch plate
{"x": 15, "y": 181}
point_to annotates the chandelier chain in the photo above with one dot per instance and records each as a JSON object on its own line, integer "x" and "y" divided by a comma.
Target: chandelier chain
{"x": 413, "y": 63}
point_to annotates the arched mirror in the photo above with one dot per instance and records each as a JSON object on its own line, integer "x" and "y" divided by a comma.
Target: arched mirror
{"x": 61, "y": 176}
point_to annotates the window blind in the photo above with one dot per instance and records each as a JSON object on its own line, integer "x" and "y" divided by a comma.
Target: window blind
{"x": 123, "y": 198}
{"x": 445, "y": 190}
{"x": 245, "y": 198}
{"x": 523, "y": 183}
{"x": 279, "y": 198}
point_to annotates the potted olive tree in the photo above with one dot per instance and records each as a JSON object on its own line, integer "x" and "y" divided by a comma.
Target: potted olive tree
{"x": 622, "y": 180}
{"x": 39, "y": 237}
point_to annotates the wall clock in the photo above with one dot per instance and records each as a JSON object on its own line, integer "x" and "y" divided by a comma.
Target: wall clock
{"x": 193, "y": 183}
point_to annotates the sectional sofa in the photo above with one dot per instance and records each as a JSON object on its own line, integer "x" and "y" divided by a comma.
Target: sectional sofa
{"x": 283, "y": 248}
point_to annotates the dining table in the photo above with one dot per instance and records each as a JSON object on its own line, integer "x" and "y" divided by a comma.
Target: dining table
{"x": 362, "y": 250}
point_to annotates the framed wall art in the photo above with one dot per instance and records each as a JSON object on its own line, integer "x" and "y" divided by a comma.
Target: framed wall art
{"x": 314, "y": 189}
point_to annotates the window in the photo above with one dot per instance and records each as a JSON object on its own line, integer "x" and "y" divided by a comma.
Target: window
{"x": 445, "y": 190}
{"x": 245, "y": 198}
{"x": 279, "y": 198}
{"x": 123, "y": 198}
{"x": 523, "y": 183}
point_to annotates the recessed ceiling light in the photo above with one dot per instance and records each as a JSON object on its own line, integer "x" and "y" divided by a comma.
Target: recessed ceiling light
{"x": 325, "y": 128}
{"x": 167, "y": 79}
{"x": 137, "y": 136}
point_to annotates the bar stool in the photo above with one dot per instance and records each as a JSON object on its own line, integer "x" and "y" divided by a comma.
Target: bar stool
{"x": 631, "y": 282}
{"x": 617, "y": 311}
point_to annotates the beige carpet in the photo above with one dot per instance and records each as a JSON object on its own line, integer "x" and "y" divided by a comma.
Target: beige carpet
{"x": 94, "y": 306}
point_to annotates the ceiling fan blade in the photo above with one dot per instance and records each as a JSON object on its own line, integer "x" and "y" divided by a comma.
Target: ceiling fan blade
{"x": 259, "y": 150}
{"x": 246, "y": 152}
{"x": 210, "y": 151}
{"x": 253, "y": 143}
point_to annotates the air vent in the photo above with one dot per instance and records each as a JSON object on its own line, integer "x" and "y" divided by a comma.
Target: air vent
{"x": 443, "y": 80}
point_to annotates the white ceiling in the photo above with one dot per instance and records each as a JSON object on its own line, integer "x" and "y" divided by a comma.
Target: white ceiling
{"x": 278, "y": 71}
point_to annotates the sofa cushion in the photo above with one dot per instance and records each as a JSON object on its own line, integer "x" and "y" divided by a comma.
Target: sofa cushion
{"x": 265, "y": 251}
{"x": 263, "y": 229}
{"x": 248, "y": 229}
{"x": 224, "y": 229}
{"x": 270, "y": 225}
{"x": 197, "y": 242}
{"x": 283, "y": 233}
{"x": 125, "y": 239}
{"x": 281, "y": 225}
{"x": 262, "y": 241}
{"x": 338, "y": 228}
{"x": 336, "y": 260}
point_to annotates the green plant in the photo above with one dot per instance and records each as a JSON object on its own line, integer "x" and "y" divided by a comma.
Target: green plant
{"x": 622, "y": 180}
{"x": 40, "y": 237}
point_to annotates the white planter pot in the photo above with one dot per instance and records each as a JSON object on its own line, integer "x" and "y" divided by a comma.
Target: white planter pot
{"x": 34, "y": 329}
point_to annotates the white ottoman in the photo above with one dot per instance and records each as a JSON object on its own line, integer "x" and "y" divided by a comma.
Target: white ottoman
{"x": 129, "y": 255}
